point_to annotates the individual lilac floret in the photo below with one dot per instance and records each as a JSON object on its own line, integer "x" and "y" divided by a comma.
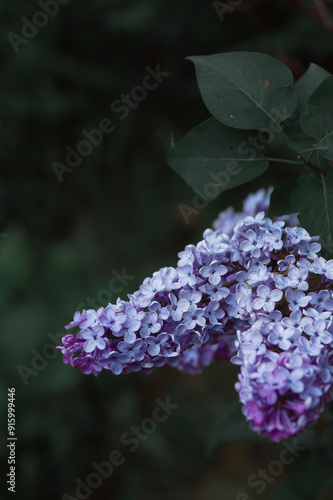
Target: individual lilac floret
{"x": 319, "y": 330}
{"x": 274, "y": 239}
{"x": 115, "y": 362}
{"x": 214, "y": 312}
{"x": 216, "y": 292}
{"x": 136, "y": 350}
{"x": 194, "y": 317}
{"x": 213, "y": 272}
{"x": 128, "y": 330}
{"x": 298, "y": 277}
{"x": 162, "y": 312}
{"x": 296, "y": 299}
{"x": 280, "y": 337}
{"x": 253, "y": 243}
{"x": 252, "y": 348}
{"x": 157, "y": 343}
{"x": 78, "y": 320}
{"x": 87, "y": 364}
{"x": 321, "y": 300}
{"x": 90, "y": 318}
{"x": 93, "y": 338}
{"x": 152, "y": 286}
{"x": 113, "y": 319}
{"x": 177, "y": 307}
{"x": 186, "y": 275}
{"x": 266, "y": 298}
{"x": 149, "y": 325}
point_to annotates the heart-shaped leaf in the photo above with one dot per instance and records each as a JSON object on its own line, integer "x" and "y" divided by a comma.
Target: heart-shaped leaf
{"x": 280, "y": 202}
{"x": 246, "y": 90}
{"x": 212, "y": 158}
{"x": 317, "y": 121}
{"x": 313, "y": 199}
{"x": 304, "y": 87}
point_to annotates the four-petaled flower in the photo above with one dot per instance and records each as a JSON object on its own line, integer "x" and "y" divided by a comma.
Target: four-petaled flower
{"x": 194, "y": 317}
{"x": 298, "y": 278}
{"x": 186, "y": 275}
{"x": 274, "y": 239}
{"x": 251, "y": 350}
{"x": 318, "y": 330}
{"x": 266, "y": 298}
{"x": 217, "y": 292}
{"x": 155, "y": 344}
{"x": 322, "y": 300}
{"x": 177, "y": 307}
{"x": 150, "y": 325}
{"x": 113, "y": 319}
{"x": 253, "y": 243}
{"x": 136, "y": 350}
{"x": 128, "y": 330}
{"x": 115, "y": 362}
{"x": 213, "y": 272}
{"x": 162, "y": 312}
{"x": 214, "y": 312}
{"x": 297, "y": 299}
{"x": 280, "y": 336}
{"x": 152, "y": 286}
{"x": 93, "y": 338}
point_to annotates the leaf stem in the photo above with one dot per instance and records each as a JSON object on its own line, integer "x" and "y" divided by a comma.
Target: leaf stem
{"x": 300, "y": 156}
{"x": 313, "y": 166}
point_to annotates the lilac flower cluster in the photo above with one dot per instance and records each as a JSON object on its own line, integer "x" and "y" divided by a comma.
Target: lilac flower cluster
{"x": 253, "y": 291}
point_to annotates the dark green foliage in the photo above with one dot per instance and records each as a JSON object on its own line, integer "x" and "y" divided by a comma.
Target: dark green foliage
{"x": 313, "y": 199}
{"x": 281, "y": 198}
{"x": 246, "y": 90}
{"x": 317, "y": 120}
{"x": 211, "y": 158}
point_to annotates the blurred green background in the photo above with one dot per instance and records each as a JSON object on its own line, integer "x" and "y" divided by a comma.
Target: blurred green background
{"x": 62, "y": 242}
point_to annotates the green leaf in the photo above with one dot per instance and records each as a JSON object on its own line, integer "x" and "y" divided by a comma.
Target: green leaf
{"x": 280, "y": 202}
{"x": 303, "y": 146}
{"x": 213, "y": 158}
{"x": 304, "y": 87}
{"x": 317, "y": 121}
{"x": 313, "y": 199}
{"x": 308, "y": 83}
{"x": 231, "y": 426}
{"x": 246, "y": 90}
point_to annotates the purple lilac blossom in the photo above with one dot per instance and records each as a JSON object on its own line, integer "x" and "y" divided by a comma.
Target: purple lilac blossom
{"x": 254, "y": 291}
